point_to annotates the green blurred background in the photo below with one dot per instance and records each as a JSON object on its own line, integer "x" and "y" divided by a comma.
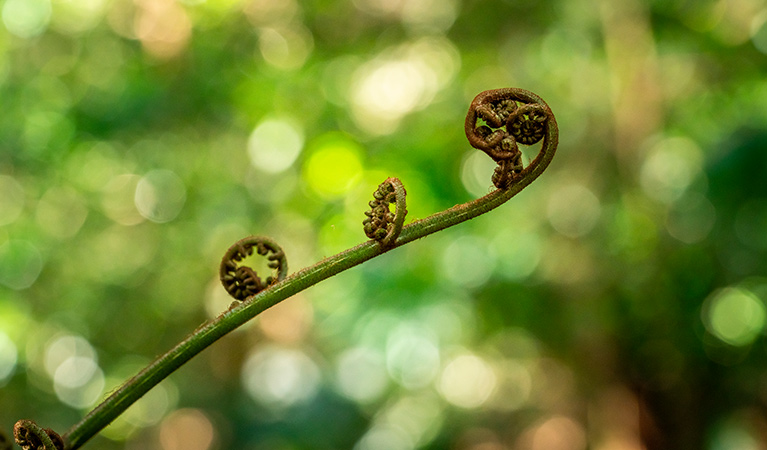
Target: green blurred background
{"x": 617, "y": 303}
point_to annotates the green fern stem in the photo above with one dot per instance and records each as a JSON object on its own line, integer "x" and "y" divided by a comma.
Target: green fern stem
{"x": 203, "y": 337}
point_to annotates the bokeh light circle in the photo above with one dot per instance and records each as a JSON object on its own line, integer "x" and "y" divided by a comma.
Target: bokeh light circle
{"x": 361, "y": 374}
{"x": 574, "y": 210}
{"x": 735, "y": 315}
{"x": 20, "y": 264}
{"x": 72, "y": 364}
{"x": 26, "y": 18}
{"x": 468, "y": 261}
{"x": 412, "y": 356}
{"x": 671, "y": 165}
{"x": 275, "y": 144}
{"x": 8, "y": 358}
{"x": 160, "y": 195}
{"x": 187, "y": 429}
{"x": 118, "y": 199}
{"x": 467, "y": 381}
{"x": 61, "y": 212}
{"x": 334, "y": 166}
{"x": 279, "y": 377}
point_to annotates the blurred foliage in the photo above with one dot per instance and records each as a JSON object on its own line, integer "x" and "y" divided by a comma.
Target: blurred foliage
{"x": 619, "y": 302}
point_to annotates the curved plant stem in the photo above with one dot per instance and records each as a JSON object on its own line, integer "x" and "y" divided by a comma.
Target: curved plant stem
{"x": 209, "y": 333}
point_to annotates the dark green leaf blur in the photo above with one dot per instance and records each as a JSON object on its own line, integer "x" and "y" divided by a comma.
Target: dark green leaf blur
{"x": 618, "y": 303}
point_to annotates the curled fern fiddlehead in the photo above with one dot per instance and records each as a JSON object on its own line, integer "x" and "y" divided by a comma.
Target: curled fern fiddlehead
{"x": 381, "y": 224}
{"x": 242, "y": 282}
{"x": 30, "y": 436}
{"x": 527, "y": 124}
{"x": 494, "y": 109}
{"x": 497, "y": 123}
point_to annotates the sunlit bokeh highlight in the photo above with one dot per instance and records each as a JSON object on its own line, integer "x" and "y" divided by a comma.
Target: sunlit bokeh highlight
{"x": 333, "y": 166}
{"x": 20, "y": 264}
{"x": 187, "y": 429}
{"x": 79, "y": 382}
{"x": 78, "y": 16}
{"x": 468, "y": 262}
{"x": 287, "y": 322}
{"x": 408, "y": 423}
{"x": 475, "y": 172}
{"x": 400, "y": 81}
{"x": 574, "y": 210}
{"x": 419, "y": 416}
{"x": 118, "y": 199}
{"x": 73, "y": 365}
{"x": 412, "y": 356}
{"x": 420, "y": 15}
{"x": 361, "y": 374}
{"x": 271, "y": 12}
{"x": 160, "y": 195}
{"x": 163, "y": 27}
{"x": 672, "y": 164}
{"x": 26, "y": 18}
{"x": 556, "y": 433}
{"x": 285, "y": 48}
{"x": 275, "y": 144}
{"x": 284, "y": 42}
{"x": 384, "y": 437}
{"x": 735, "y": 315}
{"x": 216, "y": 299}
{"x": 279, "y": 377}
{"x": 8, "y": 358}
{"x": 619, "y": 302}
{"x": 759, "y": 31}
{"x": 467, "y": 381}
{"x": 61, "y": 212}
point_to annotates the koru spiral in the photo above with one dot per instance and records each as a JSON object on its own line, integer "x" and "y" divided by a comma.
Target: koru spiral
{"x": 381, "y": 224}
{"x": 498, "y": 121}
{"x": 242, "y": 282}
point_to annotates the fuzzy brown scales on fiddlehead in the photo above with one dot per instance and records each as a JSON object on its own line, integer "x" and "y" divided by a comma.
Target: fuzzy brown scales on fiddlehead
{"x": 499, "y": 120}
{"x": 527, "y": 124}
{"x": 30, "y": 436}
{"x": 206, "y": 335}
{"x": 242, "y": 282}
{"x": 506, "y": 171}
{"x": 381, "y": 224}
